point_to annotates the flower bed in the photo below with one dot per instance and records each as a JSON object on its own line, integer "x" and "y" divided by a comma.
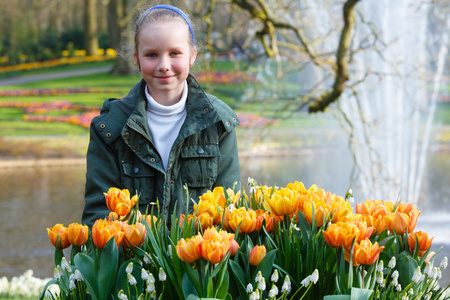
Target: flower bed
{"x": 276, "y": 243}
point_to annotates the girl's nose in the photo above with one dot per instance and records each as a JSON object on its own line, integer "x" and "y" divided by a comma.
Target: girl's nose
{"x": 163, "y": 65}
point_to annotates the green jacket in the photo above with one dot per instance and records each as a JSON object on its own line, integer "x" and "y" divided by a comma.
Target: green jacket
{"x": 122, "y": 154}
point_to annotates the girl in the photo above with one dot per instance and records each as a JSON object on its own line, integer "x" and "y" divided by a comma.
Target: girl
{"x": 166, "y": 133}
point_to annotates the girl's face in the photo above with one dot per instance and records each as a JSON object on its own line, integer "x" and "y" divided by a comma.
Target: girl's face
{"x": 164, "y": 55}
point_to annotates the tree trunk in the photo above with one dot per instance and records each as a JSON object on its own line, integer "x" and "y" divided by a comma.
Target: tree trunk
{"x": 117, "y": 10}
{"x": 90, "y": 27}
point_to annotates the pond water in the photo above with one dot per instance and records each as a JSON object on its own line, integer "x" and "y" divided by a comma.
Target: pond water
{"x": 33, "y": 199}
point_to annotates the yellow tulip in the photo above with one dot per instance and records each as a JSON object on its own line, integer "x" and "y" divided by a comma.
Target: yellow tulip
{"x": 190, "y": 250}
{"x": 247, "y": 219}
{"x": 209, "y": 207}
{"x": 283, "y": 202}
{"x": 78, "y": 234}
{"x": 119, "y": 201}
{"x": 424, "y": 242}
{"x": 378, "y": 223}
{"x": 63, "y": 236}
{"x": 257, "y": 254}
{"x": 321, "y": 211}
{"x": 336, "y": 236}
{"x": 341, "y": 210}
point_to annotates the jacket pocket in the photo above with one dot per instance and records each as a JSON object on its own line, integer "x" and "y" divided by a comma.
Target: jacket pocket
{"x": 199, "y": 165}
{"x": 139, "y": 178}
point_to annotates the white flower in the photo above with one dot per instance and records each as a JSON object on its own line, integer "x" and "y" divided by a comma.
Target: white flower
{"x": 78, "y": 276}
{"x": 405, "y": 297}
{"x": 57, "y": 273}
{"x": 391, "y": 263}
{"x": 380, "y": 278}
{"x": 444, "y": 263}
{"x": 305, "y": 282}
{"x": 273, "y": 291}
{"x": 434, "y": 273}
{"x": 428, "y": 296}
{"x": 153, "y": 295}
{"x": 144, "y": 274}
{"x": 428, "y": 268}
{"x": 398, "y": 287}
{"x": 131, "y": 279}
{"x": 122, "y": 295}
{"x": 315, "y": 276}
{"x": 252, "y": 190}
{"x": 439, "y": 275}
{"x": 383, "y": 284}
{"x": 274, "y": 276}
{"x": 148, "y": 259}
{"x": 394, "y": 274}
{"x": 72, "y": 285}
{"x": 129, "y": 268}
{"x": 254, "y": 296}
{"x": 411, "y": 291}
{"x": 169, "y": 251}
{"x": 380, "y": 266}
{"x": 249, "y": 288}
{"x": 231, "y": 208}
{"x": 150, "y": 287}
{"x": 162, "y": 275}
{"x": 48, "y": 294}
{"x": 251, "y": 181}
{"x": 286, "y": 287}
{"x": 65, "y": 265}
{"x": 395, "y": 282}
{"x": 417, "y": 275}
{"x": 351, "y": 200}
{"x": 262, "y": 284}
{"x": 151, "y": 278}
{"x": 258, "y": 276}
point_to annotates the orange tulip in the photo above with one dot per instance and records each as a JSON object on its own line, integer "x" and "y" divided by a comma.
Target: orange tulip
{"x": 217, "y": 196}
{"x": 378, "y": 223}
{"x": 283, "y": 202}
{"x": 257, "y": 254}
{"x": 103, "y": 230}
{"x": 63, "y": 236}
{"x": 234, "y": 247}
{"x": 340, "y": 209}
{"x": 375, "y": 208}
{"x": 214, "y": 247}
{"x": 336, "y": 236}
{"x": 119, "y": 201}
{"x": 190, "y": 250}
{"x": 247, "y": 219}
{"x": 148, "y": 219}
{"x": 424, "y": 242}
{"x": 78, "y": 234}
{"x": 365, "y": 253}
{"x": 134, "y": 235}
{"x": 401, "y": 222}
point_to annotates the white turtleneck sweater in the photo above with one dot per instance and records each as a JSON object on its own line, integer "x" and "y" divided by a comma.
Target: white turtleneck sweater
{"x": 165, "y": 123}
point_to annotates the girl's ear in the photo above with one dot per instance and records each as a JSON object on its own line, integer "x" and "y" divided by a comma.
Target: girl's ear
{"x": 193, "y": 56}
{"x": 136, "y": 61}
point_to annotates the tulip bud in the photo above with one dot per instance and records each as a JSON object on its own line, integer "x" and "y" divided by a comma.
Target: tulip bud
{"x": 257, "y": 254}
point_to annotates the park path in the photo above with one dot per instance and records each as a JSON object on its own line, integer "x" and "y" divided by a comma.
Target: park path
{"x": 55, "y": 75}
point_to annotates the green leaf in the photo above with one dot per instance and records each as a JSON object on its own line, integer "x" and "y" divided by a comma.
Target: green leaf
{"x": 406, "y": 266}
{"x": 107, "y": 268}
{"x": 193, "y": 277}
{"x": 53, "y": 281}
{"x": 222, "y": 291}
{"x": 210, "y": 288}
{"x": 360, "y": 294}
{"x": 189, "y": 291}
{"x": 266, "y": 264}
{"x": 337, "y": 297}
{"x": 85, "y": 265}
{"x": 239, "y": 276}
{"x": 122, "y": 279}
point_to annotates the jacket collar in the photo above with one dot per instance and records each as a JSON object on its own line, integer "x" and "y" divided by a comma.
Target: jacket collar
{"x": 200, "y": 111}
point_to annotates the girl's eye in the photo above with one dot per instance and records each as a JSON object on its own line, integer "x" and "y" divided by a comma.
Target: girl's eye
{"x": 175, "y": 53}
{"x": 151, "y": 55}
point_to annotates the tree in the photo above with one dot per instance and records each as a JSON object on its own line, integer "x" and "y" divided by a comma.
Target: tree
{"x": 90, "y": 27}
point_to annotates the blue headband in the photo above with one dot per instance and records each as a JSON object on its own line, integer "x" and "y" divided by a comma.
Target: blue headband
{"x": 178, "y": 11}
